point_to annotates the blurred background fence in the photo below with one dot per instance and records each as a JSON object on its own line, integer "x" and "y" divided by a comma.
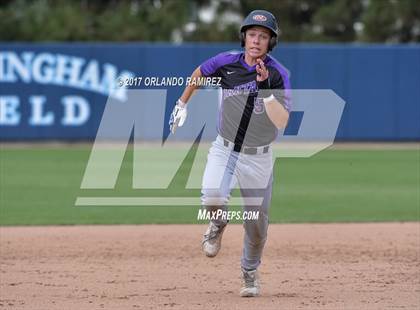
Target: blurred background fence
{"x": 59, "y": 91}
{"x": 56, "y": 71}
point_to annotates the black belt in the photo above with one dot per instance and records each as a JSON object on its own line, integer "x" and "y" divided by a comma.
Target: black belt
{"x": 248, "y": 150}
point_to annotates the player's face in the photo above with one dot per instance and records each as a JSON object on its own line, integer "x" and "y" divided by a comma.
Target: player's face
{"x": 256, "y": 41}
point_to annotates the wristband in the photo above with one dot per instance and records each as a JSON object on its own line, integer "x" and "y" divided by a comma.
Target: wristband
{"x": 269, "y": 99}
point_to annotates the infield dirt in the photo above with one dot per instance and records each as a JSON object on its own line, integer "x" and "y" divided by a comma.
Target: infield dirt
{"x": 305, "y": 266}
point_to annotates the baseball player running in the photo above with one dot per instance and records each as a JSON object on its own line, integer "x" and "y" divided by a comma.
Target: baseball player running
{"x": 255, "y": 103}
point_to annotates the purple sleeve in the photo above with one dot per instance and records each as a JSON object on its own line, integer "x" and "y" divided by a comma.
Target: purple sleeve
{"x": 283, "y": 83}
{"x": 210, "y": 66}
{"x": 287, "y": 96}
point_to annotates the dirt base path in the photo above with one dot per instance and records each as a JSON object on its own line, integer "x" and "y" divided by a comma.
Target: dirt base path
{"x": 320, "y": 266}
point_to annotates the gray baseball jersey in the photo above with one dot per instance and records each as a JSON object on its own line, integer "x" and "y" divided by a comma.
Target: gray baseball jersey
{"x": 239, "y": 86}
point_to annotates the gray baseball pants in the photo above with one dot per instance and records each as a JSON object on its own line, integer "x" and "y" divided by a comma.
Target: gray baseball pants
{"x": 225, "y": 170}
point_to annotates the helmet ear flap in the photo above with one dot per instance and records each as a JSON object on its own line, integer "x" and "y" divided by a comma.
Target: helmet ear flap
{"x": 242, "y": 37}
{"x": 273, "y": 43}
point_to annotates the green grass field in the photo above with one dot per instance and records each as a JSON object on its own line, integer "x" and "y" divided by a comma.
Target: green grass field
{"x": 39, "y": 186}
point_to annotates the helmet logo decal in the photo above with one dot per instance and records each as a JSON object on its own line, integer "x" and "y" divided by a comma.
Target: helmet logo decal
{"x": 259, "y": 17}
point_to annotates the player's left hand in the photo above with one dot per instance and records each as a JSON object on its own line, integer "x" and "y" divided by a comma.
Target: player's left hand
{"x": 262, "y": 72}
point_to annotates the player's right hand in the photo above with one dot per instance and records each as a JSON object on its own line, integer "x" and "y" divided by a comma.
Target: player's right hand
{"x": 178, "y": 116}
{"x": 262, "y": 71}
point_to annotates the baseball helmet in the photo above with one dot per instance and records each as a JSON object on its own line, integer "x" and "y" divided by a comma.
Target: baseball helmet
{"x": 264, "y": 19}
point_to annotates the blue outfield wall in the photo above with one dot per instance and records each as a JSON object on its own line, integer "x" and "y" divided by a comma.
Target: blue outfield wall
{"x": 59, "y": 91}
